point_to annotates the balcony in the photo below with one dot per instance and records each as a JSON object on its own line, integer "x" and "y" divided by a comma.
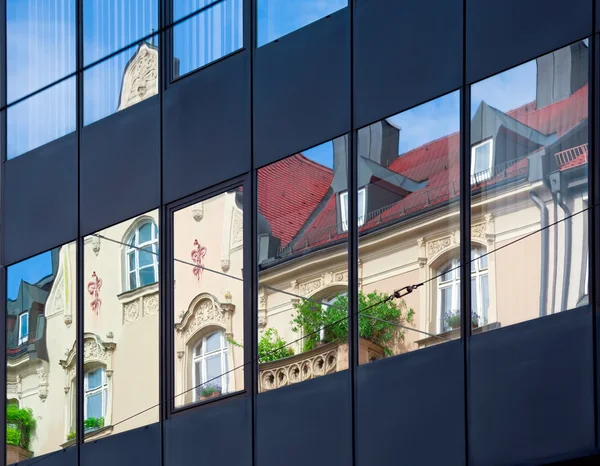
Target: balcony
{"x": 323, "y": 360}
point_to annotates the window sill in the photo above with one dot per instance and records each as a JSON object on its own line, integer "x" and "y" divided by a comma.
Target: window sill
{"x": 141, "y": 291}
{"x": 93, "y": 435}
{"x": 454, "y": 334}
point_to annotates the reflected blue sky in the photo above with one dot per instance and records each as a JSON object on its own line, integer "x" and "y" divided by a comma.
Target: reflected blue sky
{"x": 31, "y": 270}
{"x": 41, "y": 49}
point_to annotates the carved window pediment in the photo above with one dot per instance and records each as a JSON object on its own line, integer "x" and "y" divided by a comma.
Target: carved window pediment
{"x": 204, "y": 310}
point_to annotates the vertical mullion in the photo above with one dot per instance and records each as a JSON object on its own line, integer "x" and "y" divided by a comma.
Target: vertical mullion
{"x": 594, "y": 209}
{"x": 465, "y": 245}
{"x": 79, "y": 312}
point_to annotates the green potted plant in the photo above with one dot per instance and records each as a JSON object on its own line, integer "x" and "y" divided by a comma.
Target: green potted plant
{"x": 209, "y": 391}
{"x": 92, "y": 423}
{"x": 452, "y": 320}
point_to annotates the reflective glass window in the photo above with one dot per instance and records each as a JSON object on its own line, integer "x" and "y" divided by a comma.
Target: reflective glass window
{"x": 41, "y": 118}
{"x": 121, "y": 81}
{"x": 409, "y": 232}
{"x": 529, "y": 189}
{"x": 41, "y": 354}
{"x": 40, "y": 44}
{"x": 110, "y": 25}
{"x": 121, "y": 328}
{"x": 276, "y": 18}
{"x": 216, "y": 31}
{"x": 209, "y": 340}
{"x": 303, "y": 266}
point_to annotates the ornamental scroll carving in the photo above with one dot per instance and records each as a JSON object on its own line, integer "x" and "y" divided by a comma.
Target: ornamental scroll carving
{"x": 204, "y": 311}
{"x": 237, "y": 229}
{"x": 94, "y": 287}
{"x": 326, "y": 279}
{"x": 94, "y": 350}
{"x": 146, "y": 304}
{"x": 197, "y": 254}
{"x": 140, "y": 79}
{"x": 305, "y": 366}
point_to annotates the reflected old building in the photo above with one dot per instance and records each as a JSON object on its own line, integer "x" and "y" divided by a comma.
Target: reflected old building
{"x": 528, "y": 170}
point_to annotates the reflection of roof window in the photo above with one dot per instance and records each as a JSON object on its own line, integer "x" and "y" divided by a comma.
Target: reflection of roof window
{"x": 481, "y": 161}
{"x": 344, "y": 208}
{"x": 23, "y": 327}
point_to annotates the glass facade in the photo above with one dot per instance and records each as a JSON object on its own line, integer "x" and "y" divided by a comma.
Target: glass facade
{"x": 303, "y": 327}
{"x": 256, "y": 282}
{"x": 208, "y": 293}
{"x": 277, "y": 18}
{"x": 121, "y": 326}
{"x": 408, "y": 206}
{"x": 41, "y": 359}
{"x": 529, "y": 189}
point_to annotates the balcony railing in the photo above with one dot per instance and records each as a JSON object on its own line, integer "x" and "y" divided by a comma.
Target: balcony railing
{"x": 326, "y": 359}
{"x": 576, "y": 155}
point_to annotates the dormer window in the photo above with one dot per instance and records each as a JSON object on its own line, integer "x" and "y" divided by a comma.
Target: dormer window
{"x": 344, "y": 208}
{"x": 23, "y": 327}
{"x": 481, "y": 161}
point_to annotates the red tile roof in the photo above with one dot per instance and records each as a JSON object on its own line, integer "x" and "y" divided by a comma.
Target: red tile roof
{"x": 291, "y": 189}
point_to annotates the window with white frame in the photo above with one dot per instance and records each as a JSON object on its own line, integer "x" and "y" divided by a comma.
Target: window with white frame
{"x": 95, "y": 396}
{"x": 23, "y": 327}
{"x": 481, "y": 161}
{"x": 448, "y": 291}
{"x": 209, "y": 366}
{"x": 142, "y": 256}
{"x": 344, "y": 208}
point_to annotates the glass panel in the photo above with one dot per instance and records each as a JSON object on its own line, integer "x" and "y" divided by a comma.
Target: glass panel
{"x": 536, "y": 116}
{"x": 147, "y": 276}
{"x": 145, "y": 233}
{"x": 132, "y": 281}
{"x": 122, "y": 331}
{"x": 474, "y": 300}
{"x": 132, "y": 260}
{"x": 45, "y": 286}
{"x": 40, "y": 47}
{"x": 214, "y": 370}
{"x": 207, "y": 36}
{"x": 94, "y": 379}
{"x": 303, "y": 265}
{"x": 213, "y": 342}
{"x": 94, "y": 407}
{"x": 409, "y": 168}
{"x": 24, "y": 324}
{"x": 209, "y": 296}
{"x": 120, "y": 81}
{"x": 146, "y": 256}
{"x": 276, "y": 18}
{"x": 110, "y": 25}
{"x": 41, "y": 118}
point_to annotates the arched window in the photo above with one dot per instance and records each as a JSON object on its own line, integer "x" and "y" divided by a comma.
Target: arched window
{"x": 142, "y": 256}
{"x": 448, "y": 296}
{"x": 95, "y": 398}
{"x": 209, "y": 366}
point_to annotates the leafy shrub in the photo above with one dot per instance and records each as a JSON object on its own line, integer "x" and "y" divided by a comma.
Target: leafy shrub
{"x": 71, "y": 435}
{"x": 271, "y": 347}
{"x": 21, "y": 421}
{"x": 380, "y": 323}
{"x": 13, "y": 436}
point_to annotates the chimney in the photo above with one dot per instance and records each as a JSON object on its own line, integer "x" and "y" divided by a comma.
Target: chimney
{"x": 561, "y": 73}
{"x": 379, "y": 143}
